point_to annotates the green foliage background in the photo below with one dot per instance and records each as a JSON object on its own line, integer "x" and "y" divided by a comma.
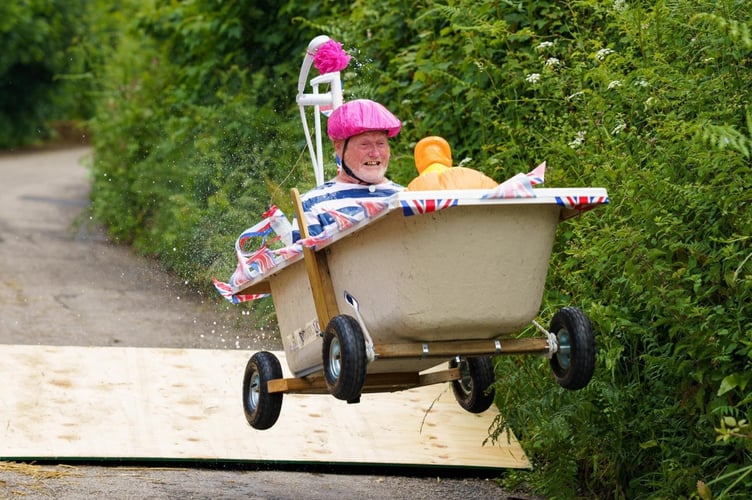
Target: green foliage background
{"x": 196, "y": 130}
{"x": 41, "y": 79}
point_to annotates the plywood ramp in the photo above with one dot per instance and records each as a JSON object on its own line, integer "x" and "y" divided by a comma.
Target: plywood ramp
{"x": 143, "y": 403}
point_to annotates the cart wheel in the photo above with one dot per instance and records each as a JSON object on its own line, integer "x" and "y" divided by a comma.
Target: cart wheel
{"x": 474, "y": 390}
{"x": 261, "y": 408}
{"x": 344, "y": 355}
{"x": 574, "y": 362}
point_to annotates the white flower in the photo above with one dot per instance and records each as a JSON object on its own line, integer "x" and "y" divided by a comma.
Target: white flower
{"x": 641, "y": 83}
{"x": 543, "y": 46}
{"x": 620, "y": 5}
{"x": 603, "y": 53}
{"x": 533, "y": 78}
{"x": 614, "y": 84}
{"x": 618, "y": 128}
{"x": 552, "y": 62}
{"x": 577, "y": 141}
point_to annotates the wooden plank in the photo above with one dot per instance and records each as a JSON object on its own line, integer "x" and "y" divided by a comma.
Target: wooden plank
{"x": 375, "y": 382}
{"x": 318, "y": 270}
{"x": 439, "y": 377}
{"x": 466, "y": 347}
{"x": 298, "y": 385}
{"x": 137, "y": 403}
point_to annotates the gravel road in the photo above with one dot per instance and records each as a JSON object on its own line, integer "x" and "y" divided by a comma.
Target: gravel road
{"x": 65, "y": 286}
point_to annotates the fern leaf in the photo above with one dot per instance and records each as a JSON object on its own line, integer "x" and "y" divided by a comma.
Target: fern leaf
{"x": 725, "y": 136}
{"x": 737, "y": 31}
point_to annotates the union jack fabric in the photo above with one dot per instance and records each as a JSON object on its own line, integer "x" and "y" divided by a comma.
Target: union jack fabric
{"x": 373, "y": 207}
{"x": 333, "y": 203}
{"x": 329, "y": 210}
{"x": 424, "y": 206}
{"x": 537, "y": 174}
{"x": 336, "y": 221}
{"x": 227, "y": 292}
{"x": 334, "y": 207}
{"x": 252, "y": 267}
{"x": 256, "y": 263}
{"x": 581, "y": 203}
{"x": 260, "y": 230}
{"x": 326, "y": 110}
{"x": 519, "y": 186}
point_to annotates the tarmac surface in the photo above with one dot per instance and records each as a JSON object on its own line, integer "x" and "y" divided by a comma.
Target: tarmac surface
{"x": 63, "y": 283}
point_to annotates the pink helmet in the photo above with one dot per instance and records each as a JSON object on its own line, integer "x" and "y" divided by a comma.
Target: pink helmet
{"x": 358, "y": 116}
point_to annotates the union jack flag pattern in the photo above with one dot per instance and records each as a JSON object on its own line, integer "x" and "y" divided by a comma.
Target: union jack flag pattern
{"x": 342, "y": 220}
{"x": 252, "y": 264}
{"x": 373, "y": 207}
{"x": 260, "y": 230}
{"x": 260, "y": 262}
{"x": 336, "y": 207}
{"x": 537, "y": 175}
{"x": 227, "y": 292}
{"x": 251, "y": 267}
{"x": 581, "y": 203}
{"x": 424, "y": 206}
{"x": 519, "y": 186}
{"x": 351, "y": 200}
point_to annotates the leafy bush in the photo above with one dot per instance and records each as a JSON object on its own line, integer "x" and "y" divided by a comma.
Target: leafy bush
{"x": 187, "y": 138}
{"x": 650, "y": 100}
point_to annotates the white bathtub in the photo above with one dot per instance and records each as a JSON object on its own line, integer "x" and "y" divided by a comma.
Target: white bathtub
{"x": 472, "y": 271}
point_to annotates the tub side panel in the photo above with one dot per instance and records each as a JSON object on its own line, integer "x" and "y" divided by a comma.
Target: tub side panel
{"x": 467, "y": 272}
{"x": 296, "y": 317}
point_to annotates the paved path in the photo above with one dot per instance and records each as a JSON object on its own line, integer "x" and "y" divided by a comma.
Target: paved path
{"x": 63, "y": 283}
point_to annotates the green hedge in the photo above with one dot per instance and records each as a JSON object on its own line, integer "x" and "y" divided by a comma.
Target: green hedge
{"x": 650, "y": 100}
{"x": 196, "y": 132}
{"x": 43, "y": 77}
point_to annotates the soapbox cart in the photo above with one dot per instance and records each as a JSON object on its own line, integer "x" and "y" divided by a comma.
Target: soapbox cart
{"x": 424, "y": 291}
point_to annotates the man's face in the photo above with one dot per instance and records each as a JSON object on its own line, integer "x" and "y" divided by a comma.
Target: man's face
{"x": 367, "y": 154}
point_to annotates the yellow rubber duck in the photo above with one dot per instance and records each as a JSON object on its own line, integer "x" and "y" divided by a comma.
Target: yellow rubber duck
{"x": 433, "y": 159}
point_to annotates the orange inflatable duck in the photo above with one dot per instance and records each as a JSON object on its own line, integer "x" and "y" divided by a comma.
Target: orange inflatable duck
{"x": 433, "y": 159}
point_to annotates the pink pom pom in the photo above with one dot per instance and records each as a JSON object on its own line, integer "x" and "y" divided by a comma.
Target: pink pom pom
{"x": 330, "y": 57}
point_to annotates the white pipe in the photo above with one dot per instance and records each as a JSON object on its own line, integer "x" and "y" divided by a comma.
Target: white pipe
{"x": 332, "y": 98}
{"x": 313, "y": 46}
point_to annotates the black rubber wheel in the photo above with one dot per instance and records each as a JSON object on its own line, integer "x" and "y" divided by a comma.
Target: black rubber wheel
{"x": 474, "y": 390}
{"x": 574, "y": 362}
{"x": 344, "y": 356}
{"x": 261, "y": 408}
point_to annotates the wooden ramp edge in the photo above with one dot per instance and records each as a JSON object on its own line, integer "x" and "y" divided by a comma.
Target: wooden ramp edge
{"x": 124, "y": 403}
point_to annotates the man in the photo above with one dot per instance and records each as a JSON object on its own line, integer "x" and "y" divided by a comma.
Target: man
{"x": 360, "y": 132}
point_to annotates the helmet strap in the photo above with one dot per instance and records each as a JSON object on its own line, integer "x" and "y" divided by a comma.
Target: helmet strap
{"x": 347, "y": 169}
